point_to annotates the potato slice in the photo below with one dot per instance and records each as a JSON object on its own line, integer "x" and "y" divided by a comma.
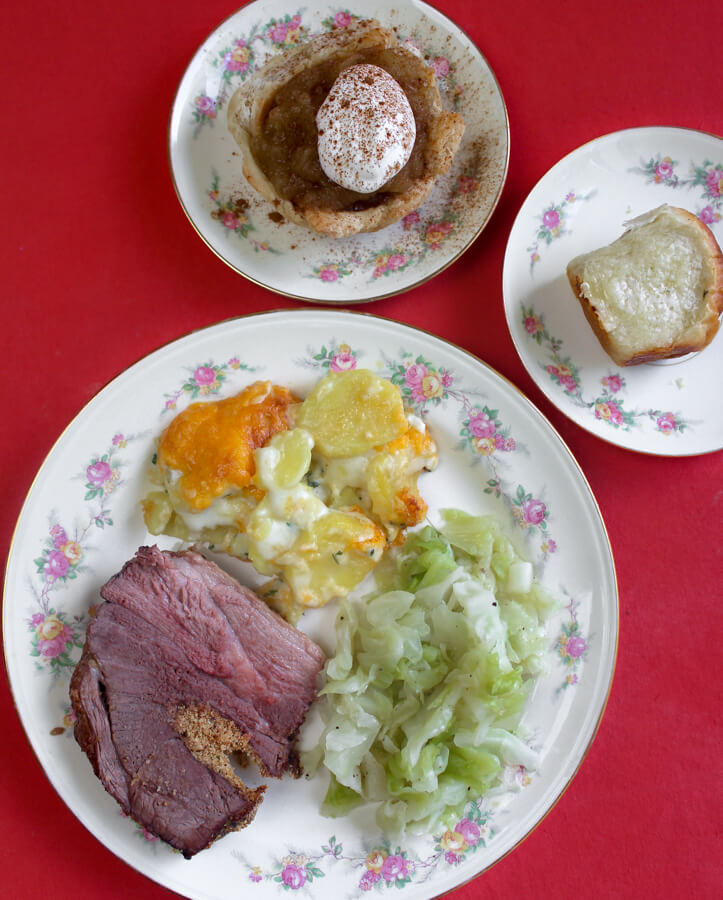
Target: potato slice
{"x": 340, "y": 549}
{"x": 350, "y": 413}
{"x": 284, "y": 461}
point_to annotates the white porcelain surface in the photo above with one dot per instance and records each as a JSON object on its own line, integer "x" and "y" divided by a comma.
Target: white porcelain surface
{"x": 82, "y": 520}
{"x": 671, "y": 408}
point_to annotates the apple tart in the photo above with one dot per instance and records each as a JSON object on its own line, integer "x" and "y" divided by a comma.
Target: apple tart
{"x": 354, "y": 104}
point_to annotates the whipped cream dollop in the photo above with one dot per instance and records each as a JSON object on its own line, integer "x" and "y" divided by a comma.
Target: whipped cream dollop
{"x": 365, "y": 129}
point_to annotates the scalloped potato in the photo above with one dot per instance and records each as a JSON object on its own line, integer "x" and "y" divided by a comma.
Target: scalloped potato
{"x": 350, "y": 413}
{"x": 310, "y": 492}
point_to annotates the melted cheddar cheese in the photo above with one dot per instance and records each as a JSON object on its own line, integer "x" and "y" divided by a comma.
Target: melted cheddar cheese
{"x": 212, "y": 444}
{"x": 310, "y": 493}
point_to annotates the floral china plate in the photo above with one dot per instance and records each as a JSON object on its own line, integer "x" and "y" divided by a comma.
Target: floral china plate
{"x": 667, "y": 408}
{"x": 240, "y": 227}
{"x": 498, "y": 455}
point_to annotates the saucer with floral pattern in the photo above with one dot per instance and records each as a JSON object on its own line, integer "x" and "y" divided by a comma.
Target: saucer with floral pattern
{"x": 244, "y": 230}
{"x": 670, "y": 408}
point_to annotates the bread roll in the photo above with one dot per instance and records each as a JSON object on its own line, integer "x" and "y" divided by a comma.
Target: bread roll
{"x": 657, "y": 291}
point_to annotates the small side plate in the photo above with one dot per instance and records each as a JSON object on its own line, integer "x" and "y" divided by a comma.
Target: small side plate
{"x": 667, "y": 409}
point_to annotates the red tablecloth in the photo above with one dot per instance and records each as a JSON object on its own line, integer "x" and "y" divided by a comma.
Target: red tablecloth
{"x": 101, "y": 266}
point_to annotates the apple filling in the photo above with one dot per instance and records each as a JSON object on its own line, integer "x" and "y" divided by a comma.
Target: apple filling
{"x": 286, "y": 144}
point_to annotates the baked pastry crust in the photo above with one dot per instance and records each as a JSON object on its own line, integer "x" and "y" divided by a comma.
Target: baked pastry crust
{"x": 249, "y": 104}
{"x": 699, "y": 333}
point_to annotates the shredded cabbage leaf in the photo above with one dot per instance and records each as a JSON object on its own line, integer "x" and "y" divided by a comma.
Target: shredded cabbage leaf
{"x": 426, "y": 690}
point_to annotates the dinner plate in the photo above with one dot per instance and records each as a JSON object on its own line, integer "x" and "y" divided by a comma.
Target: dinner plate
{"x": 667, "y": 408}
{"x": 238, "y": 225}
{"x": 498, "y": 455}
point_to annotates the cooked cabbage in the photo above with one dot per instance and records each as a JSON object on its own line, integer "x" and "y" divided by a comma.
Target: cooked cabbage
{"x": 426, "y": 690}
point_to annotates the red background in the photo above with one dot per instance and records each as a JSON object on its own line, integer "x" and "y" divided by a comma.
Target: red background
{"x": 101, "y": 267}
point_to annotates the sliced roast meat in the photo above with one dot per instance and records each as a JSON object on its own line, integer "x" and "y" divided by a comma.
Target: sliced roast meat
{"x": 230, "y": 635}
{"x": 181, "y": 666}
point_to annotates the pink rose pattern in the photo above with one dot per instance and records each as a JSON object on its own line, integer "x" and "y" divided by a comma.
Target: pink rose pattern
{"x": 422, "y": 384}
{"x": 334, "y": 271}
{"x": 437, "y": 232}
{"x": 336, "y": 357}
{"x": 572, "y": 647}
{"x": 238, "y": 59}
{"x": 384, "y": 866}
{"x": 341, "y": 19}
{"x": 204, "y": 380}
{"x": 205, "y": 109}
{"x": 530, "y": 513}
{"x": 53, "y": 638}
{"x": 467, "y": 183}
{"x": 566, "y": 375}
{"x": 286, "y": 32}
{"x": 235, "y": 62}
{"x": 484, "y": 433}
{"x": 393, "y": 259}
{"x": 608, "y": 405}
{"x": 232, "y": 213}
{"x": 553, "y": 224}
{"x": 410, "y": 220}
{"x": 467, "y": 836}
{"x": 295, "y": 872}
{"x": 440, "y": 66}
{"x": 53, "y": 635}
{"x": 444, "y": 71}
{"x": 707, "y": 177}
